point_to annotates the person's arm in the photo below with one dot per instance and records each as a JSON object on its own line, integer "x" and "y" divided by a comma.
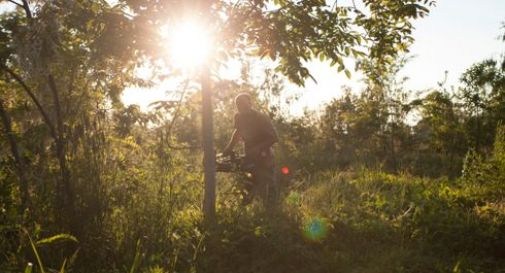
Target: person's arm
{"x": 235, "y": 137}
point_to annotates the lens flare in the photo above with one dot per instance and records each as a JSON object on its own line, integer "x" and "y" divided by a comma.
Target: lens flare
{"x": 315, "y": 229}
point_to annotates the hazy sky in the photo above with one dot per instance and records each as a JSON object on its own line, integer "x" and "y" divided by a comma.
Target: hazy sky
{"x": 456, "y": 34}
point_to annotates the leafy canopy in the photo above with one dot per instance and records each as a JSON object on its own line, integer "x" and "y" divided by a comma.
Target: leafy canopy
{"x": 290, "y": 32}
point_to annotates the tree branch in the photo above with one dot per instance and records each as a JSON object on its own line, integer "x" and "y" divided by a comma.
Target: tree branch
{"x": 16, "y": 3}
{"x": 182, "y": 147}
{"x": 176, "y": 113}
{"x": 26, "y": 7}
{"x": 25, "y": 87}
{"x": 174, "y": 118}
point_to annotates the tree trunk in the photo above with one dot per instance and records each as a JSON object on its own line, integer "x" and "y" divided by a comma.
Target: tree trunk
{"x": 20, "y": 163}
{"x": 209, "y": 156}
{"x": 65, "y": 193}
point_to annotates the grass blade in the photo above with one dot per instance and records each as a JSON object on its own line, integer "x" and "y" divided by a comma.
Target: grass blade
{"x": 34, "y": 248}
{"x": 138, "y": 257}
{"x": 59, "y": 237}
{"x": 62, "y": 269}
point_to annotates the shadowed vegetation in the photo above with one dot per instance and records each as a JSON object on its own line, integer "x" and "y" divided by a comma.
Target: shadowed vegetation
{"x": 378, "y": 180}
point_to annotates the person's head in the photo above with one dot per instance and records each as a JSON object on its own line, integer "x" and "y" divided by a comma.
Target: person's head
{"x": 243, "y": 102}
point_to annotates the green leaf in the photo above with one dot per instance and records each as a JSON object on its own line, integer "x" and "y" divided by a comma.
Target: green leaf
{"x": 357, "y": 66}
{"x": 339, "y": 60}
{"x": 59, "y": 237}
{"x": 357, "y": 53}
{"x": 424, "y": 9}
{"x": 348, "y": 74}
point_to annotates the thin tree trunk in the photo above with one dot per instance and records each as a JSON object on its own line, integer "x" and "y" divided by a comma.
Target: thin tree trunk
{"x": 20, "y": 163}
{"x": 393, "y": 152}
{"x": 66, "y": 193}
{"x": 209, "y": 156}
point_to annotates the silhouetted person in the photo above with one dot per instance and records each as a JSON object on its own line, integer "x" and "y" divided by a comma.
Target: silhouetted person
{"x": 258, "y": 134}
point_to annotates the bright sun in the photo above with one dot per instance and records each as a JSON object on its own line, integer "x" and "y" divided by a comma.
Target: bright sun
{"x": 189, "y": 44}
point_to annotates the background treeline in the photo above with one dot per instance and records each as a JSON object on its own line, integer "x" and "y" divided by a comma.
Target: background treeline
{"x": 385, "y": 127}
{"x": 381, "y": 180}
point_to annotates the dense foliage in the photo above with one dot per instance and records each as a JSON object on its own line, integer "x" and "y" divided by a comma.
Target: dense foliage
{"x": 380, "y": 180}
